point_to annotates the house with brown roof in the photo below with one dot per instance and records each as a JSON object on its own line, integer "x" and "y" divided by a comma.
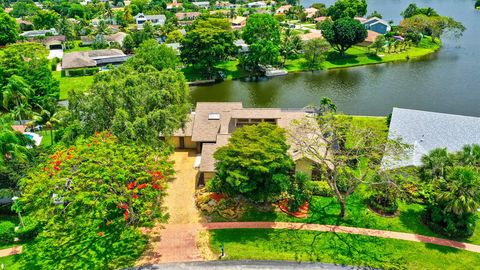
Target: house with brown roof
{"x": 94, "y": 58}
{"x": 238, "y": 22}
{"x": 212, "y": 123}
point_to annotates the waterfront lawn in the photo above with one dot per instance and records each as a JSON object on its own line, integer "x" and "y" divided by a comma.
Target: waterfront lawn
{"x": 230, "y": 68}
{"x": 293, "y": 245}
{"x": 72, "y": 83}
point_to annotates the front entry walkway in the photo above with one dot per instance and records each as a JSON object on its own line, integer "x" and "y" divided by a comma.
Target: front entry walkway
{"x": 176, "y": 241}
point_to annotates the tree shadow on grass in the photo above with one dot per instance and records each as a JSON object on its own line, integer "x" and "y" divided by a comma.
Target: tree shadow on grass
{"x": 442, "y": 249}
{"x": 338, "y": 59}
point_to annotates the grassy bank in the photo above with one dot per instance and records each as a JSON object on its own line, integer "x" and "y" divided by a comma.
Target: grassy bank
{"x": 268, "y": 244}
{"x": 69, "y": 83}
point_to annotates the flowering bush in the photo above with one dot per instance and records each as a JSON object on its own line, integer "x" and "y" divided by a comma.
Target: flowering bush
{"x": 91, "y": 197}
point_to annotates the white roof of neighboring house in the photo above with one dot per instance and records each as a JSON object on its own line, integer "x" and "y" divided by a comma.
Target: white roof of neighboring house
{"x": 425, "y": 131}
{"x": 283, "y": 9}
{"x": 151, "y": 17}
{"x": 37, "y": 33}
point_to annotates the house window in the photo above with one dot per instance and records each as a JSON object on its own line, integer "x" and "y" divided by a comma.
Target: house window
{"x": 213, "y": 116}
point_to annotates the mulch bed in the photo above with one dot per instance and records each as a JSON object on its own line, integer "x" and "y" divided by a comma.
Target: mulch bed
{"x": 382, "y": 213}
{"x": 301, "y": 213}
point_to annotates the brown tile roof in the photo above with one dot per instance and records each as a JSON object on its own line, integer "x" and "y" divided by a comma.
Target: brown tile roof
{"x": 88, "y": 58}
{"x": 205, "y": 130}
{"x": 208, "y": 149}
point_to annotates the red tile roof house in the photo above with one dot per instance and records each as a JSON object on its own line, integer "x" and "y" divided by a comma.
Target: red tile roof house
{"x": 212, "y": 123}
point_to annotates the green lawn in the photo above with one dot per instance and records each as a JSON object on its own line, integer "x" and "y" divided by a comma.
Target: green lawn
{"x": 359, "y": 56}
{"x": 77, "y": 47}
{"x": 269, "y": 244}
{"x": 10, "y": 262}
{"x": 230, "y": 68}
{"x": 11, "y": 220}
{"x": 69, "y": 83}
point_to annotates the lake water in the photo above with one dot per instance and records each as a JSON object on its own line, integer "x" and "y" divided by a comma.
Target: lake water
{"x": 448, "y": 81}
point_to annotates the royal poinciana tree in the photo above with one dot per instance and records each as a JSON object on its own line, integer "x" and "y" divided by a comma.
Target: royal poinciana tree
{"x": 346, "y": 152}
{"x": 89, "y": 201}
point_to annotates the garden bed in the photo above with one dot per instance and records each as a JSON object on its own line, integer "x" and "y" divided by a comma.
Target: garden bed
{"x": 302, "y": 210}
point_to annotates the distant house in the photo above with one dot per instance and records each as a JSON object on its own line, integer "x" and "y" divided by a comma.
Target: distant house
{"x": 425, "y": 131}
{"x": 320, "y": 19}
{"x": 24, "y": 25}
{"x": 242, "y": 46}
{"x": 311, "y": 12}
{"x": 238, "y": 22}
{"x": 141, "y": 18}
{"x": 377, "y": 25}
{"x": 94, "y": 58}
{"x": 187, "y": 16}
{"x": 39, "y": 33}
{"x": 174, "y": 5}
{"x": 202, "y": 4}
{"x": 175, "y": 46}
{"x": 258, "y": 4}
{"x": 283, "y": 9}
{"x": 224, "y": 5}
{"x": 113, "y": 38}
{"x": 212, "y": 124}
{"x": 371, "y": 36}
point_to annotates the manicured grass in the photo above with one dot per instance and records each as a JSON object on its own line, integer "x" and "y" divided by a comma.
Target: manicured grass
{"x": 72, "y": 83}
{"x": 359, "y": 56}
{"x": 230, "y": 68}
{"x": 269, "y": 244}
{"x": 10, "y": 262}
{"x": 46, "y": 138}
{"x": 77, "y": 47}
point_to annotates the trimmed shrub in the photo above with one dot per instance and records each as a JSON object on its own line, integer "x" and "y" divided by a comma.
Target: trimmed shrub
{"x": 29, "y": 231}
{"x": 382, "y": 205}
{"x": 320, "y": 188}
{"x": 83, "y": 71}
{"x": 449, "y": 224}
{"x": 7, "y": 232}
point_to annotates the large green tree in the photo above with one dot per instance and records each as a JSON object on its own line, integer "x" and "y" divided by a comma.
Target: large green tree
{"x": 157, "y": 55}
{"x": 261, "y": 27}
{"x": 433, "y": 26}
{"x": 315, "y": 51}
{"x": 8, "y": 29}
{"x": 413, "y": 10}
{"x": 343, "y": 33}
{"x": 261, "y": 53}
{"x": 209, "y": 42}
{"x": 134, "y": 104}
{"x": 89, "y": 201}
{"x": 45, "y": 19}
{"x": 347, "y": 9}
{"x": 24, "y": 8}
{"x": 254, "y": 164}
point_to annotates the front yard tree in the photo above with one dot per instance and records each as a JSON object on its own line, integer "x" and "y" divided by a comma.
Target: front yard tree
{"x": 261, "y": 27}
{"x": 343, "y": 33}
{"x": 134, "y": 104}
{"x": 347, "y": 9}
{"x": 8, "y": 29}
{"x": 89, "y": 201}
{"x": 157, "y": 55}
{"x": 315, "y": 50}
{"x": 45, "y": 19}
{"x": 261, "y": 53}
{"x": 254, "y": 164}
{"x": 347, "y": 152}
{"x": 209, "y": 42}
{"x": 379, "y": 43}
{"x": 291, "y": 44}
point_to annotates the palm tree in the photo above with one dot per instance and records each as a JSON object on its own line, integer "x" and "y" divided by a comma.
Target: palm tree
{"x": 435, "y": 163}
{"x": 327, "y": 105}
{"x": 16, "y": 92}
{"x": 50, "y": 118}
{"x": 470, "y": 155}
{"x": 12, "y": 143}
{"x": 461, "y": 194}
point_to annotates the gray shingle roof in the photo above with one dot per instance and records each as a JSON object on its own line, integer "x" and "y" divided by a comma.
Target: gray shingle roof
{"x": 92, "y": 58}
{"x": 425, "y": 131}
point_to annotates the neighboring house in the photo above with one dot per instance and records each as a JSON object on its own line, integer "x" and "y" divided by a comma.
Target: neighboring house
{"x": 371, "y": 36}
{"x": 320, "y": 19}
{"x": 202, "y": 4}
{"x": 174, "y": 5}
{"x": 141, "y": 18}
{"x": 24, "y": 25}
{"x": 94, "y": 58}
{"x": 113, "y": 38}
{"x": 243, "y": 47}
{"x": 51, "y": 42}
{"x": 425, "y": 131}
{"x": 212, "y": 123}
{"x": 311, "y": 12}
{"x": 238, "y": 22}
{"x": 187, "y": 16}
{"x": 311, "y": 35}
{"x": 224, "y": 5}
{"x": 39, "y": 33}
{"x": 377, "y": 25}
{"x": 258, "y": 4}
{"x": 283, "y": 9}
{"x": 361, "y": 19}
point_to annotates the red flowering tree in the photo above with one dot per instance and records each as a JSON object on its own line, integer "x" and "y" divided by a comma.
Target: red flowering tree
{"x": 90, "y": 200}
